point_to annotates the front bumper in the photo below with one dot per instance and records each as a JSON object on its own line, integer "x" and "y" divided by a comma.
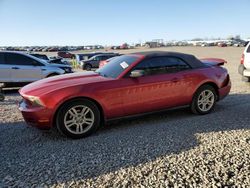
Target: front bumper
{"x": 224, "y": 91}
{"x": 39, "y": 117}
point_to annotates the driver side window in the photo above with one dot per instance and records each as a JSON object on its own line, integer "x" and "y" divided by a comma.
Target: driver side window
{"x": 162, "y": 65}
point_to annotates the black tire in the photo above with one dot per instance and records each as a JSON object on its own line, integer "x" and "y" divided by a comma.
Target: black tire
{"x": 195, "y": 108}
{"x": 245, "y": 79}
{"x": 50, "y": 75}
{"x": 62, "y": 114}
{"x": 2, "y": 97}
{"x": 88, "y": 67}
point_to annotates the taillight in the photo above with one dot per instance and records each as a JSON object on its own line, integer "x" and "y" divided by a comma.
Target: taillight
{"x": 242, "y": 59}
{"x": 226, "y": 81}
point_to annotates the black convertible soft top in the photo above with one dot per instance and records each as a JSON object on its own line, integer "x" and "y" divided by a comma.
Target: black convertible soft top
{"x": 190, "y": 59}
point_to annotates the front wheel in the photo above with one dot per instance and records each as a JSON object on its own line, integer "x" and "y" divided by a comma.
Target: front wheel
{"x": 88, "y": 67}
{"x": 245, "y": 79}
{"x": 78, "y": 118}
{"x": 204, "y": 100}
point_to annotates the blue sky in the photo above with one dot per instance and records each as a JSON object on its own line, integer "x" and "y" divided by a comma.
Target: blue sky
{"x": 82, "y": 22}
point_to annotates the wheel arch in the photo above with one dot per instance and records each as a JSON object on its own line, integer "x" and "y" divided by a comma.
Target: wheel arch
{"x": 212, "y": 84}
{"x": 99, "y": 106}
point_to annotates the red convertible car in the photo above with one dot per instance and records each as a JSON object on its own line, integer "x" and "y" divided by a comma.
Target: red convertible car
{"x": 77, "y": 104}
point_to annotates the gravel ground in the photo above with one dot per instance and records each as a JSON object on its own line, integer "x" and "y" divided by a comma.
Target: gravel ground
{"x": 171, "y": 149}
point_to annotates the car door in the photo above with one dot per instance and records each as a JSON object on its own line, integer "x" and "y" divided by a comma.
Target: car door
{"x": 161, "y": 86}
{"x": 4, "y": 70}
{"x": 23, "y": 68}
{"x": 185, "y": 79}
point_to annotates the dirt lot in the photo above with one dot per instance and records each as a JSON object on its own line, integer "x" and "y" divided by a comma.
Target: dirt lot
{"x": 173, "y": 149}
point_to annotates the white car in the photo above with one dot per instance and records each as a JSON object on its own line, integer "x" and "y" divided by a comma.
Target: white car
{"x": 244, "y": 67}
{"x": 17, "y": 68}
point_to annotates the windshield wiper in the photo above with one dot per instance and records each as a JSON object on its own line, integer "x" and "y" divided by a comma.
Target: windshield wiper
{"x": 104, "y": 75}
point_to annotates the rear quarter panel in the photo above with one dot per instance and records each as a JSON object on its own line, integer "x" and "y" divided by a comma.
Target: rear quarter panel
{"x": 191, "y": 80}
{"x": 213, "y": 74}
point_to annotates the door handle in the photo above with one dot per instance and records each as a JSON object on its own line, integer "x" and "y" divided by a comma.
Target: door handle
{"x": 15, "y": 68}
{"x": 175, "y": 80}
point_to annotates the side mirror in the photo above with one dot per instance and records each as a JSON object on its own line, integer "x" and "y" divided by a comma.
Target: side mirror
{"x": 137, "y": 73}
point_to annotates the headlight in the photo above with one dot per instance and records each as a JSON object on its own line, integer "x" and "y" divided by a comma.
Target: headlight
{"x": 35, "y": 100}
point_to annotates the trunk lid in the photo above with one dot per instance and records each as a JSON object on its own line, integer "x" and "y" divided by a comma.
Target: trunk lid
{"x": 213, "y": 61}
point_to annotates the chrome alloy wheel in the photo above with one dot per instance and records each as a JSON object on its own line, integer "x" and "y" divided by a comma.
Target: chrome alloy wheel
{"x": 206, "y": 100}
{"x": 79, "y": 119}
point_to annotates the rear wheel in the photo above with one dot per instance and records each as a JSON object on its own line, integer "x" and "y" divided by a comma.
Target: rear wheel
{"x": 78, "y": 119}
{"x": 204, "y": 100}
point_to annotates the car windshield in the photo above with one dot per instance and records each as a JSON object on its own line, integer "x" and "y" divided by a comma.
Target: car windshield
{"x": 116, "y": 66}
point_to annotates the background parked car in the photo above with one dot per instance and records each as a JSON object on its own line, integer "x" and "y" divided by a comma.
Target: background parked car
{"x": 222, "y": 44}
{"x": 124, "y": 46}
{"x": 66, "y": 55}
{"x": 240, "y": 43}
{"x": 53, "y": 60}
{"x": 244, "y": 67}
{"x": 115, "y": 47}
{"x": 104, "y": 62}
{"x": 18, "y": 68}
{"x": 86, "y": 56}
{"x": 41, "y": 56}
{"x": 94, "y": 61}
{"x": 59, "y": 61}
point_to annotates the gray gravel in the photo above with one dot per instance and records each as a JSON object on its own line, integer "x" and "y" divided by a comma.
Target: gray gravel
{"x": 171, "y": 149}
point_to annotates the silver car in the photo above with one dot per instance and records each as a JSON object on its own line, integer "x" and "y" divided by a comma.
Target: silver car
{"x": 18, "y": 67}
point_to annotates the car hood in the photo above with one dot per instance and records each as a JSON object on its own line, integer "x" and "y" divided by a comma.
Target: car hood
{"x": 48, "y": 85}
